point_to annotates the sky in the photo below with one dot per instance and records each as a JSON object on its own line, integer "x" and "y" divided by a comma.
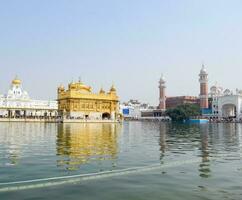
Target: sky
{"x": 128, "y": 43}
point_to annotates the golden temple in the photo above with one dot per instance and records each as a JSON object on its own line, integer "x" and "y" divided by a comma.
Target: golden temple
{"x": 79, "y": 103}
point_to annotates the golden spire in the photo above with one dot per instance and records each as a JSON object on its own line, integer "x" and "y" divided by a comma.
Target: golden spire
{"x": 113, "y": 89}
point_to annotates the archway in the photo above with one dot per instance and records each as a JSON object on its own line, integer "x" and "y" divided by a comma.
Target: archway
{"x": 106, "y": 116}
{"x": 17, "y": 113}
{"x": 229, "y": 111}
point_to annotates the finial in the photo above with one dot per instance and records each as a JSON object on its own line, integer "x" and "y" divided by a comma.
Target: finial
{"x": 80, "y": 79}
{"x": 203, "y": 66}
{"x": 162, "y": 78}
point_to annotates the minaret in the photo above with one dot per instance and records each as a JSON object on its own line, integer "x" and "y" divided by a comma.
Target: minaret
{"x": 203, "y": 88}
{"x": 162, "y": 87}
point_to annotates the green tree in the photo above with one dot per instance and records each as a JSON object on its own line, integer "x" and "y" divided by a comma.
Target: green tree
{"x": 183, "y": 112}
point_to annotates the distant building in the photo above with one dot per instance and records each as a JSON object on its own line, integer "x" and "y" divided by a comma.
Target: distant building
{"x": 78, "y": 102}
{"x": 17, "y": 104}
{"x": 133, "y": 108}
{"x": 226, "y": 103}
{"x": 172, "y": 102}
{"x": 219, "y": 103}
{"x": 152, "y": 113}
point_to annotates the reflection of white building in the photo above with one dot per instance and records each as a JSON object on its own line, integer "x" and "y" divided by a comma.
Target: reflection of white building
{"x": 225, "y": 103}
{"x": 17, "y": 103}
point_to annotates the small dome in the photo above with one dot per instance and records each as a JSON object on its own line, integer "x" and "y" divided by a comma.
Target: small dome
{"x": 84, "y": 87}
{"x": 102, "y": 91}
{"x": 216, "y": 90}
{"x": 203, "y": 70}
{"x": 16, "y": 81}
{"x": 113, "y": 89}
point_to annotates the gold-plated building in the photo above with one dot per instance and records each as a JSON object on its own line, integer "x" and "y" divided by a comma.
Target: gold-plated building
{"x": 78, "y": 102}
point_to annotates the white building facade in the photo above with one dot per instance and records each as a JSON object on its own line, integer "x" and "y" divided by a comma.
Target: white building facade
{"x": 17, "y": 104}
{"x": 133, "y": 109}
{"x": 226, "y": 103}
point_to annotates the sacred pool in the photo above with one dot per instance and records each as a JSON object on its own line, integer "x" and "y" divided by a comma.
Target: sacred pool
{"x": 133, "y": 160}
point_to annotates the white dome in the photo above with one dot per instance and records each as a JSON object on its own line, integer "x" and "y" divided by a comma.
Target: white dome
{"x": 216, "y": 90}
{"x": 203, "y": 70}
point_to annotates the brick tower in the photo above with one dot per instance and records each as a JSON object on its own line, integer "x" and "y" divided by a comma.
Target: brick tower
{"x": 203, "y": 88}
{"x": 162, "y": 87}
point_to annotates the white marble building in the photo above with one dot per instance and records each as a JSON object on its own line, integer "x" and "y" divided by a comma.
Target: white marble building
{"x": 17, "y": 103}
{"x": 226, "y": 103}
{"x": 133, "y": 109}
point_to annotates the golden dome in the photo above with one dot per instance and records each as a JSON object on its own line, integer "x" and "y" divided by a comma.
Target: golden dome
{"x": 113, "y": 89}
{"x": 16, "y": 81}
{"x": 102, "y": 91}
{"x": 84, "y": 87}
{"x": 79, "y": 86}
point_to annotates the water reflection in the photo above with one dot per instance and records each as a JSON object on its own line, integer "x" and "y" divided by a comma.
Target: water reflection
{"x": 162, "y": 142}
{"x": 22, "y": 140}
{"x": 78, "y": 144}
{"x": 205, "y": 141}
{"x": 204, "y": 166}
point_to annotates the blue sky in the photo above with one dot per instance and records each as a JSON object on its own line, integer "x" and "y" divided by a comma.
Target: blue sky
{"x": 128, "y": 42}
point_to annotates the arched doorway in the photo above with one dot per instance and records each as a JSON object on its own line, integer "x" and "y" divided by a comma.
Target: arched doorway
{"x": 229, "y": 111}
{"x": 17, "y": 113}
{"x": 106, "y": 116}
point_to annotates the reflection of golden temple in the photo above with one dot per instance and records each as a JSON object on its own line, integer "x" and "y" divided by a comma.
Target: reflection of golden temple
{"x": 78, "y": 144}
{"x": 78, "y": 102}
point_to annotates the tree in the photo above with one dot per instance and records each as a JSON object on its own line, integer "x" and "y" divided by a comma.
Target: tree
{"x": 183, "y": 112}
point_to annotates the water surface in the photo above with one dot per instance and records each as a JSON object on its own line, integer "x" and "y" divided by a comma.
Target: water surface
{"x": 30, "y": 151}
